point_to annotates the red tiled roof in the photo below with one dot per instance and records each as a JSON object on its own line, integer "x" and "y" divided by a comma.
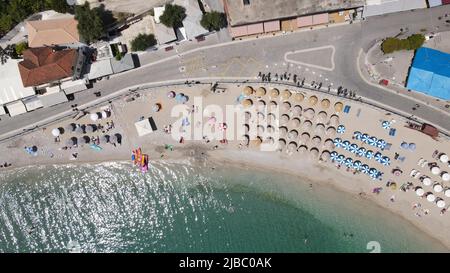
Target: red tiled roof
{"x": 43, "y": 65}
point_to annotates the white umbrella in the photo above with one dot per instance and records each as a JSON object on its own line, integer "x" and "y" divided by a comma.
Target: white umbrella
{"x": 105, "y": 114}
{"x": 437, "y": 188}
{"x": 445, "y": 176}
{"x": 435, "y": 170}
{"x": 56, "y": 132}
{"x": 443, "y": 158}
{"x": 431, "y": 197}
{"x": 440, "y": 203}
{"x": 94, "y": 117}
{"x": 447, "y": 192}
{"x": 420, "y": 191}
{"x": 427, "y": 181}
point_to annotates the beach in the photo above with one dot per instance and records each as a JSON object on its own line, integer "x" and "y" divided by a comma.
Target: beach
{"x": 306, "y": 151}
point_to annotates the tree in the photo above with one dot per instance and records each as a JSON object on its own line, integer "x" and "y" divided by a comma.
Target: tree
{"x": 20, "y": 47}
{"x": 390, "y": 45}
{"x": 142, "y": 42}
{"x": 213, "y": 21}
{"x": 6, "y": 23}
{"x": 58, "y": 5}
{"x": 173, "y": 16}
{"x": 90, "y": 24}
{"x": 416, "y": 41}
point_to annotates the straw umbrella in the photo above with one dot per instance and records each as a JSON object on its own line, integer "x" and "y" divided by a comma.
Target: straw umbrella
{"x": 302, "y": 148}
{"x": 322, "y": 117}
{"x": 281, "y": 143}
{"x": 328, "y": 144}
{"x": 325, "y": 103}
{"x": 334, "y": 121}
{"x": 331, "y": 131}
{"x": 256, "y": 142}
{"x": 299, "y": 97}
{"x": 247, "y": 103}
{"x": 283, "y": 131}
{"x": 292, "y": 146}
{"x": 286, "y": 106}
{"x": 274, "y": 93}
{"x": 248, "y": 90}
{"x": 338, "y": 106}
{"x": 309, "y": 113}
{"x": 286, "y": 94}
{"x": 314, "y": 153}
{"x": 294, "y": 123}
{"x": 307, "y": 124}
{"x": 312, "y": 100}
{"x": 284, "y": 119}
{"x": 297, "y": 110}
{"x": 320, "y": 129}
{"x": 293, "y": 134}
{"x": 261, "y": 91}
{"x": 316, "y": 141}
{"x": 325, "y": 156}
{"x": 304, "y": 138}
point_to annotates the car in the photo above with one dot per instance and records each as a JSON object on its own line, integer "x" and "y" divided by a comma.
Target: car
{"x": 200, "y": 38}
{"x": 168, "y": 48}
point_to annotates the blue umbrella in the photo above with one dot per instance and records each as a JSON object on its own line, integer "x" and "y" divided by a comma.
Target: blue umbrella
{"x": 369, "y": 154}
{"x": 334, "y": 156}
{"x": 378, "y": 157}
{"x": 349, "y": 162}
{"x": 386, "y": 125}
{"x": 404, "y": 145}
{"x": 381, "y": 143}
{"x": 386, "y": 161}
{"x": 337, "y": 142}
{"x": 340, "y": 159}
{"x": 362, "y": 151}
{"x": 365, "y": 168}
{"x": 346, "y": 145}
{"x": 354, "y": 148}
{"x": 373, "y": 141}
{"x": 357, "y": 135}
{"x": 365, "y": 138}
{"x": 412, "y": 146}
{"x": 341, "y": 129}
{"x": 357, "y": 165}
{"x": 373, "y": 173}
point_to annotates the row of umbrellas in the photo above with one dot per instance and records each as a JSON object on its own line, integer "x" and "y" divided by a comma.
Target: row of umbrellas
{"x": 431, "y": 197}
{"x": 355, "y": 164}
{"x": 81, "y": 129}
{"x": 361, "y": 151}
{"x": 445, "y": 176}
{"x": 100, "y": 115}
{"x": 116, "y": 138}
{"x": 370, "y": 140}
{"x": 408, "y": 146}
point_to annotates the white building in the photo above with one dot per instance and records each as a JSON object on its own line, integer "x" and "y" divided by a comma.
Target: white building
{"x": 380, "y": 7}
{"x": 11, "y": 86}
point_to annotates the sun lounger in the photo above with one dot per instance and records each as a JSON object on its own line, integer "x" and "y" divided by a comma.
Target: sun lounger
{"x": 420, "y": 161}
{"x": 413, "y": 172}
{"x": 424, "y": 164}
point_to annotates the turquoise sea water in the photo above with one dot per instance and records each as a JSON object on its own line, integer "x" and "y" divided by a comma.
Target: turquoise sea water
{"x": 176, "y": 207}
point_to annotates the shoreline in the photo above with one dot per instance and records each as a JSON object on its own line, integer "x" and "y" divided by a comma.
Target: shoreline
{"x": 228, "y": 158}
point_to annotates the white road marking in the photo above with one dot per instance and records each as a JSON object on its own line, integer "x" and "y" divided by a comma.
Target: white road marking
{"x": 333, "y": 51}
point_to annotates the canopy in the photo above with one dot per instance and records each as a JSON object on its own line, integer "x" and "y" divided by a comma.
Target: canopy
{"x": 144, "y": 127}
{"x": 443, "y": 158}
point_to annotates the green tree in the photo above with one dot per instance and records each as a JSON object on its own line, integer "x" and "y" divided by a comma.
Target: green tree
{"x": 6, "y": 23}
{"x": 213, "y": 21}
{"x": 416, "y": 41}
{"x": 58, "y": 5}
{"x": 20, "y": 47}
{"x": 90, "y": 24}
{"x": 390, "y": 45}
{"x": 173, "y": 16}
{"x": 142, "y": 42}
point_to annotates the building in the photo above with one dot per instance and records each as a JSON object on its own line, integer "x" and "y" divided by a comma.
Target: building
{"x": 163, "y": 34}
{"x": 430, "y": 73}
{"x": 12, "y": 88}
{"x": 106, "y": 67}
{"x": 380, "y": 7}
{"x": 244, "y": 12}
{"x": 191, "y": 23}
{"x": 53, "y": 32}
{"x": 435, "y": 3}
{"x": 45, "y": 65}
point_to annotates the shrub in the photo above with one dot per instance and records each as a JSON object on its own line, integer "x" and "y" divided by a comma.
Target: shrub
{"x": 173, "y": 16}
{"x": 142, "y": 42}
{"x": 213, "y": 20}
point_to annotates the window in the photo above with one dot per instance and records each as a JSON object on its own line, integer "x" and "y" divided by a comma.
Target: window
{"x": 246, "y": 2}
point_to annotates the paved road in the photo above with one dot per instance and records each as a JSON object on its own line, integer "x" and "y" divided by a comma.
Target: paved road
{"x": 246, "y": 58}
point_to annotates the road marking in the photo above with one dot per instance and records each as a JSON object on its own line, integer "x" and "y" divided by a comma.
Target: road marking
{"x": 333, "y": 51}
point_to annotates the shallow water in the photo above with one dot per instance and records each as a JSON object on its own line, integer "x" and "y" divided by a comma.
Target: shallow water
{"x": 177, "y": 207}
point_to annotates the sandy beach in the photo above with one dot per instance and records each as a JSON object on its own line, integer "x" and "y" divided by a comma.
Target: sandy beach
{"x": 303, "y": 129}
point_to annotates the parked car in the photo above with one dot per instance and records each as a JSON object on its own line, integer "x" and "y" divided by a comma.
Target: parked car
{"x": 168, "y": 48}
{"x": 200, "y": 38}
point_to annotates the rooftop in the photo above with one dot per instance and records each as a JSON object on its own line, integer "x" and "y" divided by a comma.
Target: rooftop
{"x": 191, "y": 23}
{"x": 12, "y": 88}
{"x": 43, "y": 65}
{"x": 52, "y": 32}
{"x": 263, "y": 10}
